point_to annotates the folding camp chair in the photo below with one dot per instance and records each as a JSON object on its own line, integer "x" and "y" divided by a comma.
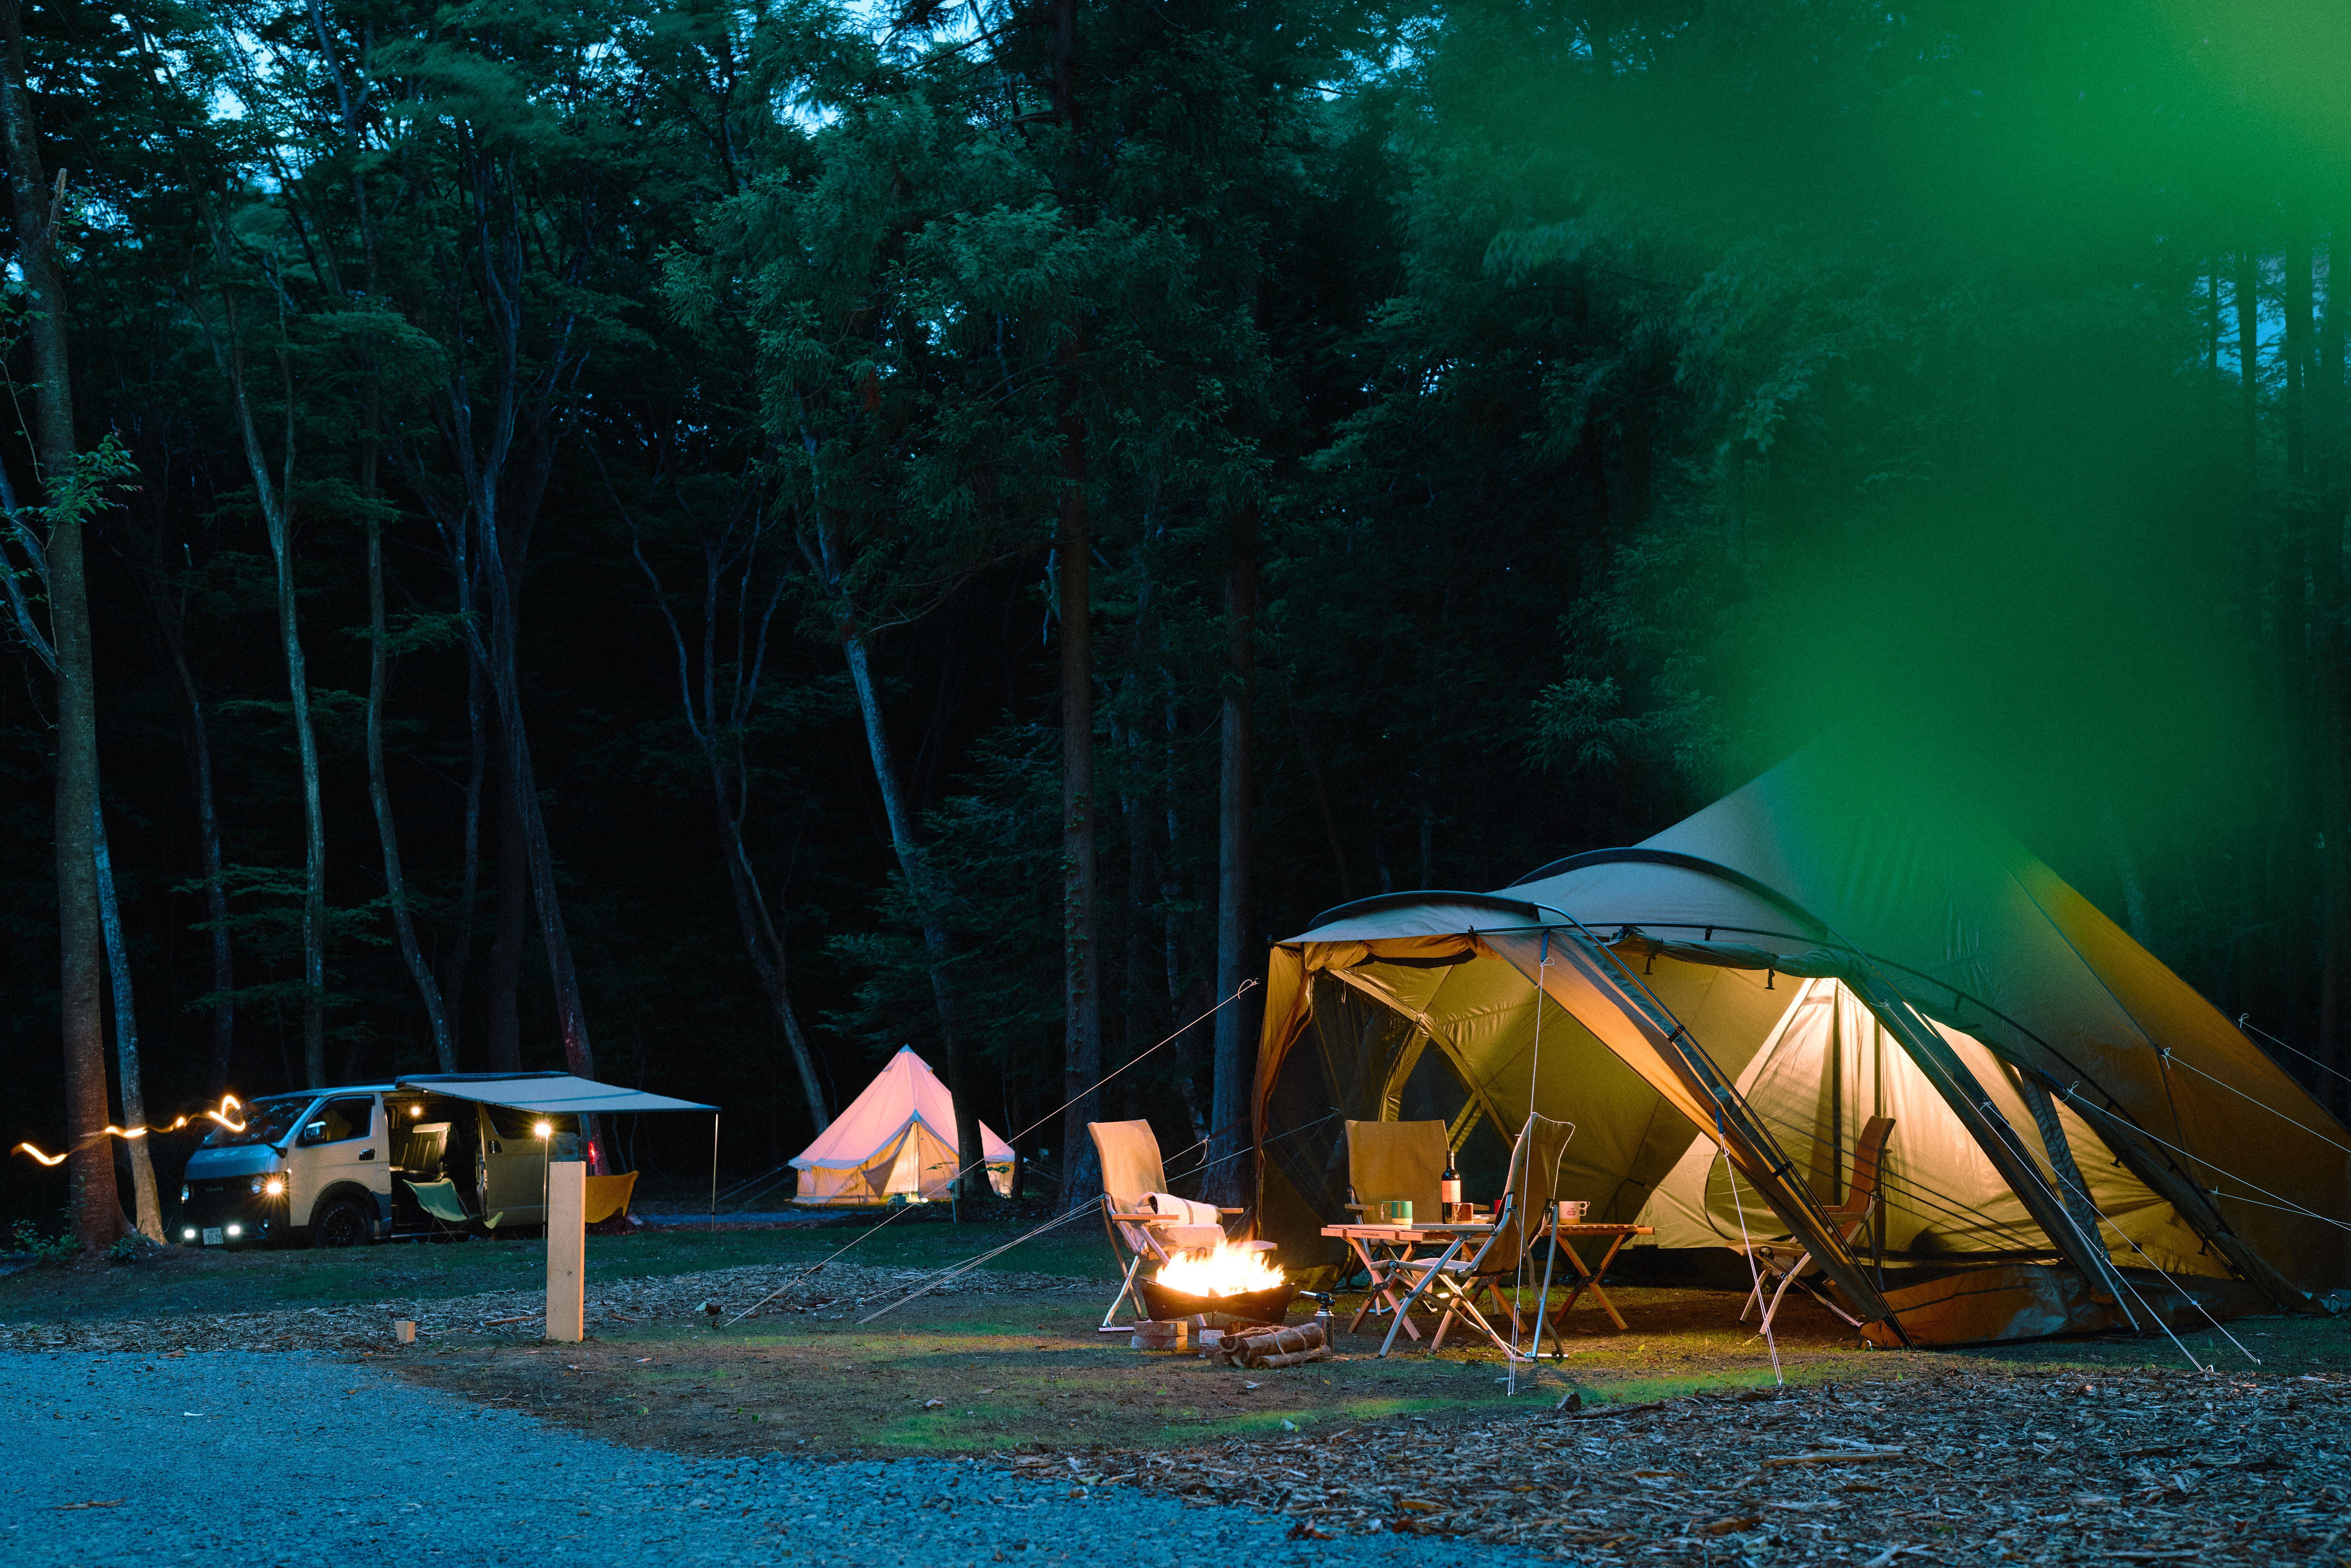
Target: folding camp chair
{"x": 1784, "y": 1262}
{"x": 1131, "y": 1170}
{"x": 440, "y": 1200}
{"x": 1389, "y": 1162}
{"x": 1452, "y": 1283}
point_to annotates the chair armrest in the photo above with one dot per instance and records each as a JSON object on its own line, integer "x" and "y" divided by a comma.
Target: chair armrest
{"x": 1355, "y": 1208}
{"x": 1145, "y": 1216}
{"x": 1232, "y": 1211}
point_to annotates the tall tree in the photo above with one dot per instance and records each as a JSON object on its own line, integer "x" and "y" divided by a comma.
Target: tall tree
{"x": 96, "y": 1210}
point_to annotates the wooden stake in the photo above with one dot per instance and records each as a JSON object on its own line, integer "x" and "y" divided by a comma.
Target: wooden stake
{"x": 567, "y": 1250}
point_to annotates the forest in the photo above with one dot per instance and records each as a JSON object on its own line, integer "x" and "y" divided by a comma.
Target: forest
{"x": 698, "y": 543}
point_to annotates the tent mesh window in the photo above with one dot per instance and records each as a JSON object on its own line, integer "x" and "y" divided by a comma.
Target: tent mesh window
{"x": 1350, "y": 1051}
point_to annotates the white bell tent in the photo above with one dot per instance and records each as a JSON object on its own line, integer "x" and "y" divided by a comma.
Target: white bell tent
{"x": 896, "y": 1137}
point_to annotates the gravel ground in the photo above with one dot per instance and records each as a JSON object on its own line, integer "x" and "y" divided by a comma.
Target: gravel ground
{"x": 257, "y": 1460}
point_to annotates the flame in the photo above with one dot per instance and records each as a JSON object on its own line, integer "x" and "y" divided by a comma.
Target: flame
{"x": 1229, "y": 1271}
{"x": 224, "y": 1115}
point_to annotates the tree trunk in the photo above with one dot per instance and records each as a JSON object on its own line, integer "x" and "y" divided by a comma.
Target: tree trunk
{"x": 428, "y": 986}
{"x": 1080, "y": 959}
{"x": 126, "y": 1038}
{"x": 95, "y": 1207}
{"x": 459, "y": 956}
{"x": 208, "y": 838}
{"x": 970, "y": 1152}
{"x": 1171, "y": 891}
{"x": 766, "y": 947}
{"x": 513, "y": 916}
{"x": 275, "y": 499}
{"x": 1230, "y": 1177}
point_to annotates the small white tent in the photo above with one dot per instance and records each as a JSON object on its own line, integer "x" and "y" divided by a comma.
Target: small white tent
{"x": 898, "y": 1136}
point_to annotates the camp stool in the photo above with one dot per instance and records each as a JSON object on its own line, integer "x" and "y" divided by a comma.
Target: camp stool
{"x": 1130, "y": 1168}
{"x": 1453, "y": 1283}
{"x": 1782, "y": 1261}
{"x": 1387, "y": 1161}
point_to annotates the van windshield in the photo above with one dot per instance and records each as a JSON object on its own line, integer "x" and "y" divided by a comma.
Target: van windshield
{"x": 265, "y": 1122}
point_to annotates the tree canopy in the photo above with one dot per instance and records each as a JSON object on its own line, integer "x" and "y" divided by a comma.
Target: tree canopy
{"x": 702, "y": 543}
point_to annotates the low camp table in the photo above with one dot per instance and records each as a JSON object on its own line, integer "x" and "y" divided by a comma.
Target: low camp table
{"x": 1381, "y": 1247}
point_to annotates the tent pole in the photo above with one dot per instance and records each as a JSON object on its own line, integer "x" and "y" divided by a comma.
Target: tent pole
{"x": 714, "y": 1173}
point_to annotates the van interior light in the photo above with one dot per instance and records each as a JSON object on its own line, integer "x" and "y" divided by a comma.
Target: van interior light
{"x": 416, "y": 1110}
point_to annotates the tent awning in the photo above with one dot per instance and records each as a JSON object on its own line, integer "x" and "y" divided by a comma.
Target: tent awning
{"x": 553, "y": 1094}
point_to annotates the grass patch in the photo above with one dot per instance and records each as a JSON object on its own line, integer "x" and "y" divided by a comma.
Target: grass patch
{"x": 216, "y": 1281}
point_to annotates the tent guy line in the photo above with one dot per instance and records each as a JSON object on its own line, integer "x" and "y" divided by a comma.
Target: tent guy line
{"x": 1239, "y": 991}
{"x": 1894, "y": 899}
{"x": 2245, "y": 1022}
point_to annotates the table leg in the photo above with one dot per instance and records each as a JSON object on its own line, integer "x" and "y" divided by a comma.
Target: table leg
{"x": 1381, "y": 1288}
{"x": 1592, "y": 1279}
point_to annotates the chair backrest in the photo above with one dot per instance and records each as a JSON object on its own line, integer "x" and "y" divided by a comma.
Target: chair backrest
{"x": 422, "y": 1146}
{"x": 1531, "y": 1188}
{"x": 1129, "y": 1162}
{"x": 1393, "y": 1160}
{"x": 1868, "y": 1160}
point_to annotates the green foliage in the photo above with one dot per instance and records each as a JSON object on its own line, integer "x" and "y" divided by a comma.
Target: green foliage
{"x": 1622, "y": 400}
{"x": 47, "y": 1251}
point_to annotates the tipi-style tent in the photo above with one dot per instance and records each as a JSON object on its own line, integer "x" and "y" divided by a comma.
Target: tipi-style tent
{"x": 2081, "y": 1141}
{"x": 897, "y": 1136}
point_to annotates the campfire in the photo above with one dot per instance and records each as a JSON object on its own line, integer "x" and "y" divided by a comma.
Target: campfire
{"x": 1229, "y": 1271}
{"x": 1235, "y": 1281}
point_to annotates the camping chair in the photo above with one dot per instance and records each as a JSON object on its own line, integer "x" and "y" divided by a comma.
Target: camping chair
{"x": 1453, "y": 1282}
{"x": 440, "y": 1199}
{"x": 1387, "y": 1161}
{"x": 1785, "y": 1262}
{"x": 1132, "y": 1172}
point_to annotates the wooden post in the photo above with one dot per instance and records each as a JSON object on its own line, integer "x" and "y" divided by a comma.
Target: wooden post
{"x": 567, "y": 1250}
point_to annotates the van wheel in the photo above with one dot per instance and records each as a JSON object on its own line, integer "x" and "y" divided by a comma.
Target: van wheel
{"x": 342, "y": 1223}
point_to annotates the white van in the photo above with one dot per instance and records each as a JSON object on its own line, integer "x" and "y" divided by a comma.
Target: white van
{"x": 338, "y": 1167}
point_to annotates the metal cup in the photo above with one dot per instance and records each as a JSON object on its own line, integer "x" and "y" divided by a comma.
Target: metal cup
{"x": 1397, "y": 1211}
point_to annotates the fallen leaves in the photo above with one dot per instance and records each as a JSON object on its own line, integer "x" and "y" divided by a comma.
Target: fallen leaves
{"x": 1612, "y": 1485}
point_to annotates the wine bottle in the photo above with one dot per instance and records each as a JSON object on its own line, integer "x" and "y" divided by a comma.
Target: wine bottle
{"x": 1448, "y": 1189}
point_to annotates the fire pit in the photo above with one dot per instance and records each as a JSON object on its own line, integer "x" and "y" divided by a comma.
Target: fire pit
{"x": 1236, "y": 1282}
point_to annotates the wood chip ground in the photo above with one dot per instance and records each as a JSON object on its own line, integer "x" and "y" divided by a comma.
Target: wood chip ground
{"x": 2139, "y": 1467}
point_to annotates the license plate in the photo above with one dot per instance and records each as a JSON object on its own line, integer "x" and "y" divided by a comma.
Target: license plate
{"x": 213, "y": 1237}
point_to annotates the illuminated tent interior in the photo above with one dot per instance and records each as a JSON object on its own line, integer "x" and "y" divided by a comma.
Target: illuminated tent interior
{"x": 2081, "y": 1141}
{"x": 897, "y": 1138}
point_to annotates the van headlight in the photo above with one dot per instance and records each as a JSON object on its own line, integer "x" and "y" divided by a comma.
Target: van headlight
{"x": 234, "y": 1230}
{"x": 269, "y": 1187}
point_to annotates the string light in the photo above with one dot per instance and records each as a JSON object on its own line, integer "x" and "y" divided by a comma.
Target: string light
{"x": 223, "y": 1114}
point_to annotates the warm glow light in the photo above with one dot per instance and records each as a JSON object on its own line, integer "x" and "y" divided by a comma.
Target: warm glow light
{"x": 1229, "y": 1271}
{"x": 416, "y": 1110}
{"x": 274, "y": 1187}
{"x": 542, "y": 1128}
{"x": 229, "y": 1103}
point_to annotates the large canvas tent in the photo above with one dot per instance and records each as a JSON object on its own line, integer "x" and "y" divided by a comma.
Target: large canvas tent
{"x": 897, "y": 1137}
{"x": 2081, "y": 1142}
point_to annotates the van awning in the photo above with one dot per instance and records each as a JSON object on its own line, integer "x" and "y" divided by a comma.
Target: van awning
{"x": 553, "y": 1094}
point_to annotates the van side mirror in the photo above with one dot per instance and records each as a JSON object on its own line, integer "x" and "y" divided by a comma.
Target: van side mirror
{"x": 316, "y": 1132}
